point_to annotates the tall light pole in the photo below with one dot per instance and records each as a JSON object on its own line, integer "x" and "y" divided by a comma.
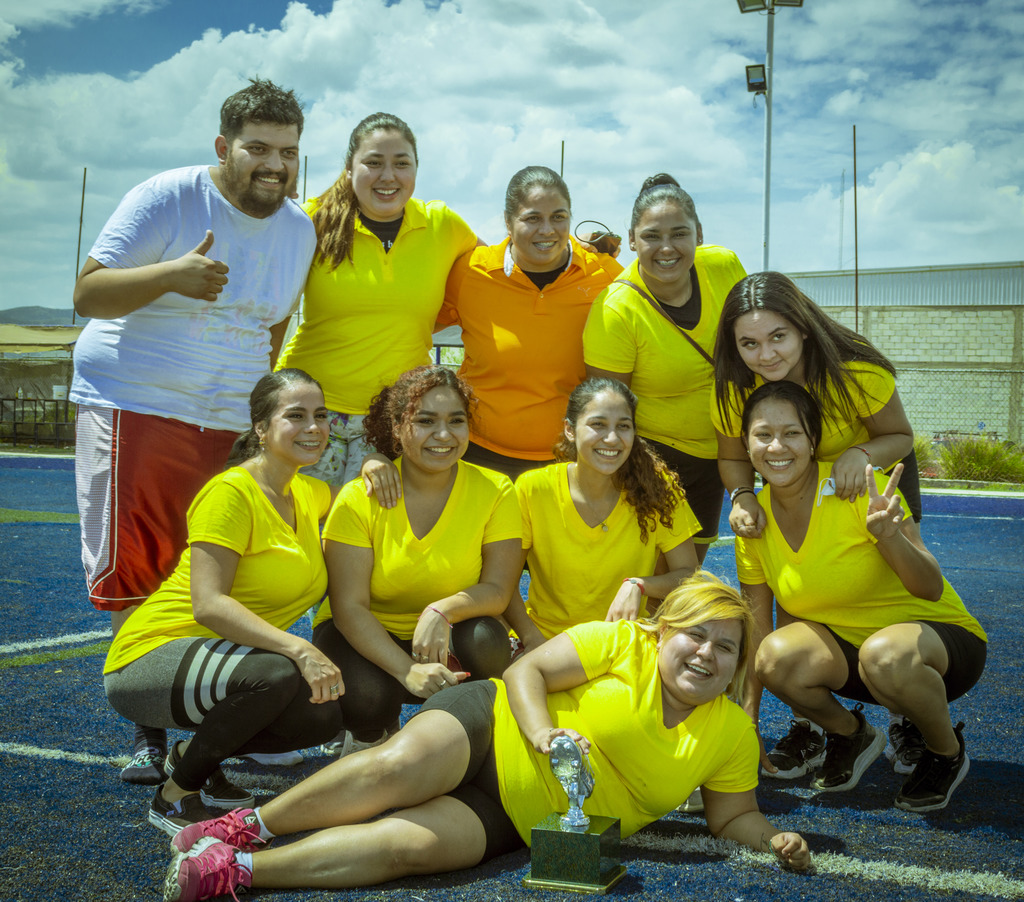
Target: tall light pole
{"x": 760, "y": 82}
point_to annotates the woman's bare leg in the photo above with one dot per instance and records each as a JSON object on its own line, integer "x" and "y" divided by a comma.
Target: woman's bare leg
{"x": 426, "y": 759}
{"x": 434, "y": 837}
{"x": 903, "y": 665}
{"x": 802, "y": 665}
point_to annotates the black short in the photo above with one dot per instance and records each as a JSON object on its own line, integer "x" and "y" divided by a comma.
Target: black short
{"x": 704, "y": 490}
{"x": 966, "y": 651}
{"x": 472, "y": 704}
{"x": 910, "y": 486}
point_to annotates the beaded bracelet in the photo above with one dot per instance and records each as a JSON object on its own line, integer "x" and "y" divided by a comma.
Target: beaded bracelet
{"x": 636, "y": 581}
{"x": 865, "y": 450}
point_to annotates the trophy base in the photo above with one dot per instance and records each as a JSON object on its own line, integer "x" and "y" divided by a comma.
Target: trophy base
{"x": 583, "y": 861}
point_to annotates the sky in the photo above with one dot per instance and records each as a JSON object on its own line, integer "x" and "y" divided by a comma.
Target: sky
{"x": 124, "y": 89}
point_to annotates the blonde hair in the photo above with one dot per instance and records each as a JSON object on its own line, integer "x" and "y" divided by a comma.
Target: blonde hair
{"x": 698, "y": 599}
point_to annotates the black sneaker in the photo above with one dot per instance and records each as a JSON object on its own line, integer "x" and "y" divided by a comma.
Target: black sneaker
{"x": 905, "y": 746}
{"x": 146, "y": 767}
{"x": 847, "y": 757}
{"x": 931, "y": 785}
{"x": 798, "y": 752}
{"x": 174, "y": 816}
{"x": 217, "y": 791}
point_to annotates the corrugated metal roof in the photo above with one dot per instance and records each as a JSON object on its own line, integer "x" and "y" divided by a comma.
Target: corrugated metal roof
{"x": 982, "y": 284}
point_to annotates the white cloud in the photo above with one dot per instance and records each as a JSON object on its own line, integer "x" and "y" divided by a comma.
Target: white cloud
{"x": 490, "y": 86}
{"x": 63, "y": 13}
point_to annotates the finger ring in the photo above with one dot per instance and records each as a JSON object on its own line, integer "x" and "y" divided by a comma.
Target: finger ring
{"x": 334, "y": 688}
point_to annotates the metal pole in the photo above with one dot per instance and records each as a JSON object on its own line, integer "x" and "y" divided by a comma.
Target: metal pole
{"x": 769, "y": 52}
{"x": 561, "y": 168}
{"x": 856, "y": 252}
{"x": 78, "y": 252}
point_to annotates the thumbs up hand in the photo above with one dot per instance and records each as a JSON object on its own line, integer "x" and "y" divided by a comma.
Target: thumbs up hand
{"x": 197, "y": 276}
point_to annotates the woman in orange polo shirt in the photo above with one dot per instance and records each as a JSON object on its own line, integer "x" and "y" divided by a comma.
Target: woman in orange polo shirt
{"x": 522, "y": 305}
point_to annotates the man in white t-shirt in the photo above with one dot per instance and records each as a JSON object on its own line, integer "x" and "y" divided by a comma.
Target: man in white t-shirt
{"x": 189, "y": 287}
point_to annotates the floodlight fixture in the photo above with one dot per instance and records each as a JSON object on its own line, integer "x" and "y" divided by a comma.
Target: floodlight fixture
{"x": 757, "y": 81}
{"x": 752, "y": 6}
{"x": 788, "y": 3}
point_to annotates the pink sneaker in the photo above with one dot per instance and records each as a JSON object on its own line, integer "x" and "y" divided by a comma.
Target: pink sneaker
{"x": 239, "y": 829}
{"x": 209, "y": 869}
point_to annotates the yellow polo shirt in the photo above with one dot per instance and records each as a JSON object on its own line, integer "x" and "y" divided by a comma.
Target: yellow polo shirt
{"x": 368, "y": 321}
{"x": 672, "y": 381}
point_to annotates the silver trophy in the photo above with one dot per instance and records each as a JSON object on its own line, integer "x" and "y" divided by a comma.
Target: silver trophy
{"x": 570, "y": 765}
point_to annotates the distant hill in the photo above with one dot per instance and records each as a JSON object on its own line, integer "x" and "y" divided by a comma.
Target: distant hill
{"x": 40, "y": 316}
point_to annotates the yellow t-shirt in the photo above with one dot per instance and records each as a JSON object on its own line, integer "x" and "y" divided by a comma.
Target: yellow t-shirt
{"x": 368, "y": 321}
{"x": 642, "y": 769}
{"x": 672, "y": 381}
{"x": 838, "y": 576}
{"x": 872, "y": 388}
{"x": 575, "y": 569}
{"x": 410, "y": 573}
{"x": 280, "y": 573}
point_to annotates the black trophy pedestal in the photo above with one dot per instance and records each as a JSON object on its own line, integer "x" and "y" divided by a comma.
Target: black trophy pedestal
{"x": 585, "y": 861}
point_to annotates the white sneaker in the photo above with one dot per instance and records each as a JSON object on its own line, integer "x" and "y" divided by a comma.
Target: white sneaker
{"x": 694, "y": 804}
{"x": 276, "y": 759}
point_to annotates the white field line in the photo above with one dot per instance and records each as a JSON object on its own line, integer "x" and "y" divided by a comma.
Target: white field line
{"x": 69, "y": 639}
{"x": 830, "y": 864}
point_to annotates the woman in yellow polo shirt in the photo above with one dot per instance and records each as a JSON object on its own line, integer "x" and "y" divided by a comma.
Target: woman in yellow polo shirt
{"x": 416, "y": 589}
{"x": 376, "y": 283}
{"x": 522, "y": 305}
{"x": 869, "y": 615}
{"x": 595, "y": 524}
{"x": 469, "y": 776}
{"x": 654, "y": 329}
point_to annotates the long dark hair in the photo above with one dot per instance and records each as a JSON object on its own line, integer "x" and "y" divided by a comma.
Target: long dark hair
{"x": 828, "y": 347}
{"x": 396, "y": 403}
{"x": 335, "y": 217}
{"x": 651, "y": 488}
{"x": 263, "y": 401}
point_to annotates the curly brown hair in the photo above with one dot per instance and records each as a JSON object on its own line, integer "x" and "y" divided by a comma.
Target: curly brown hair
{"x": 396, "y": 404}
{"x": 335, "y": 216}
{"x": 651, "y": 488}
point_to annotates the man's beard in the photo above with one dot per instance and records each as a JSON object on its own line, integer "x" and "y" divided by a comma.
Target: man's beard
{"x": 250, "y": 197}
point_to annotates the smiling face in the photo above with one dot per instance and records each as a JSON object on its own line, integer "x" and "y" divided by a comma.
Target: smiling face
{"x": 665, "y": 240}
{"x": 779, "y": 446}
{"x": 540, "y": 230}
{"x": 603, "y": 433}
{"x": 260, "y": 167}
{"x": 296, "y": 432}
{"x": 383, "y": 174}
{"x": 697, "y": 663}
{"x": 771, "y": 346}
{"x": 436, "y": 435}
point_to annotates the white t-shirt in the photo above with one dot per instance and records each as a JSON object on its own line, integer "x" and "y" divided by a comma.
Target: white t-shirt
{"x": 180, "y": 358}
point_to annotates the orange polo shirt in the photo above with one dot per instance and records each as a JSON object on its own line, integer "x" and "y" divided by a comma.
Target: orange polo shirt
{"x": 524, "y": 346}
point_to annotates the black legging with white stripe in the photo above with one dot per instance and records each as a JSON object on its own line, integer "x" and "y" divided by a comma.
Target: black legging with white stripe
{"x": 237, "y": 699}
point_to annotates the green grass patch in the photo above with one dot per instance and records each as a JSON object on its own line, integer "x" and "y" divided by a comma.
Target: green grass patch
{"x": 7, "y": 515}
{"x": 97, "y": 648}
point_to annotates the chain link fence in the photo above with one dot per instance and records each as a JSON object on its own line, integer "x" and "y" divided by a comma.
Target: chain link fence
{"x": 947, "y": 402}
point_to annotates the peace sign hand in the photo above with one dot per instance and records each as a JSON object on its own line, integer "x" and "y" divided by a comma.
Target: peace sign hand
{"x": 885, "y": 515}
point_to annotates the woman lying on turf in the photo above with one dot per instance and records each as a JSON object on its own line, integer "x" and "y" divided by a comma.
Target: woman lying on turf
{"x": 595, "y": 524}
{"x": 209, "y": 651}
{"x": 470, "y": 775}
{"x": 869, "y": 615}
{"x": 429, "y": 577}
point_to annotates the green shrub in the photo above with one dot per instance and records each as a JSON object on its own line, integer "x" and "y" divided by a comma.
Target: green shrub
{"x": 983, "y": 460}
{"x": 927, "y": 460}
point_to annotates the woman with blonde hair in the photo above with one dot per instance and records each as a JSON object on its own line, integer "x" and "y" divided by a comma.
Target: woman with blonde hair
{"x": 470, "y": 776}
